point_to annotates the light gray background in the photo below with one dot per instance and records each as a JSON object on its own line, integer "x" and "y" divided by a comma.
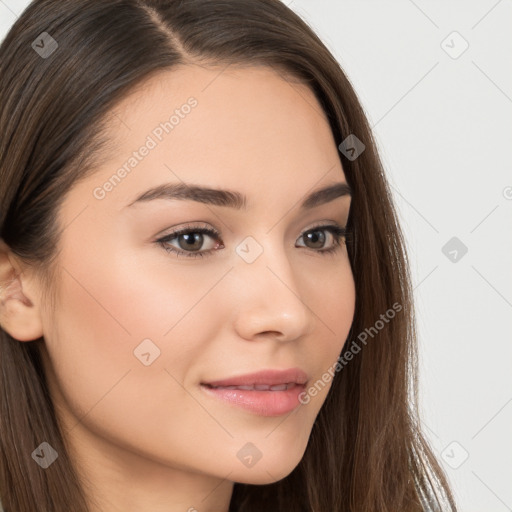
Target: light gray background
{"x": 444, "y": 127}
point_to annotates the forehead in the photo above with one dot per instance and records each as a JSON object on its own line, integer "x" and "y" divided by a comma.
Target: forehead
{"x": 238, "y": 128}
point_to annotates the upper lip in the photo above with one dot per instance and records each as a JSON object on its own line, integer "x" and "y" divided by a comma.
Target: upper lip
{"x": 268, "y": 377}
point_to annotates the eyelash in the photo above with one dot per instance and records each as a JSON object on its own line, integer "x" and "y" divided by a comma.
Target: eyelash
{"x": 337, "y": 232}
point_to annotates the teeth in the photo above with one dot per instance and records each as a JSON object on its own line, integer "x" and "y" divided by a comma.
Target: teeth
{"x": 279, "y": 387}
{"x": 259, "y": 387}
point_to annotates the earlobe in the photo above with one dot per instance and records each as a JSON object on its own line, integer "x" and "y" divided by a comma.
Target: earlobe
{"x": 19, "y": 314}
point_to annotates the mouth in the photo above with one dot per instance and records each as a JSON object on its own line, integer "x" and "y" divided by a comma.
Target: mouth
{"x": 266, "y": 393}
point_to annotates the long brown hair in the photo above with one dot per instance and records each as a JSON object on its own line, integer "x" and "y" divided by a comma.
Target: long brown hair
{"x": 366, "y": 452}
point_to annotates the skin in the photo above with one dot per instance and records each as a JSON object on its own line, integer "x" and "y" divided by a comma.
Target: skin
{"x": 147, "y": 437}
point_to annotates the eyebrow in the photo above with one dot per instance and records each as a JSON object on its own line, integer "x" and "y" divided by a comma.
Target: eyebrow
{"x": 232, "y": 199}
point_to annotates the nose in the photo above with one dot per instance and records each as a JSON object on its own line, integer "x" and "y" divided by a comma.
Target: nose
{"x": 267, "y": 299}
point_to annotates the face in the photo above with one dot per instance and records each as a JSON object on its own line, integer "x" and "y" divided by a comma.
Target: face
{"x": 145, "y": 316}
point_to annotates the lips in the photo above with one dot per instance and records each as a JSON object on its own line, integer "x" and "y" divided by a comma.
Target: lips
{"x": 266, "y": 380}
{"x": 265, "y": 393}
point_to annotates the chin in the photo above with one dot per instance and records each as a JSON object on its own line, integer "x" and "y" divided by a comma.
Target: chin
{"x": 264, "y": 475}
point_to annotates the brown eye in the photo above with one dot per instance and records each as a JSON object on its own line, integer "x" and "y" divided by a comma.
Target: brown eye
{"x": 316, "y": 236}
{"x": 190, "y": 242}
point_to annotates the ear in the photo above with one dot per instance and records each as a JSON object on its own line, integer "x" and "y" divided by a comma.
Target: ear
{"x": 19, "y": 307}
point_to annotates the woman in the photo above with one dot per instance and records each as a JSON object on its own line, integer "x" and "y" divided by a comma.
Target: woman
{"x": 205, "y": 302}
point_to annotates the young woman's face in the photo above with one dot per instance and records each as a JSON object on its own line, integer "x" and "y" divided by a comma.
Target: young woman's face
{"x": 138, "y": 328}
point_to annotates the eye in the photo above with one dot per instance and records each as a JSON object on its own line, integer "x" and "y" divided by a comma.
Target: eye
{"x": 190, "y": 240}
{"x": 337, "y": 233}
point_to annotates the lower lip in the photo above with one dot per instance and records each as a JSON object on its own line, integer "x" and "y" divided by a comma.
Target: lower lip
{"x": 263, "y": 403}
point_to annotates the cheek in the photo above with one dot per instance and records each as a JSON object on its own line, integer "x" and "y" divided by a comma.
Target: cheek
{"x": 333, "y": 304}
{"x": 110, "y": 303}
{"x": 334, "y": 310}
{"x": 102, "y": 318}
{"x": 103, "y": 315}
